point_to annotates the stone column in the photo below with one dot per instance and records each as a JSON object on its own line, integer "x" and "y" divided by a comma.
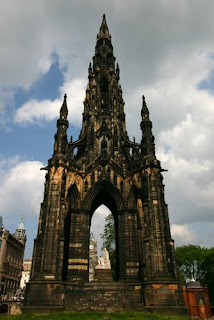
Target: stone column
{"x": 78, "y": 263}
{"x": 128, "y": 245}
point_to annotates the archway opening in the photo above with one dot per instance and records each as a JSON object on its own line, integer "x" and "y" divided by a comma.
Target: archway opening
{"x": 103, "y": 221}
{"x": 97, "y": 225}
{"x": 106, "y": 194}
{"x": 98, "y": 221}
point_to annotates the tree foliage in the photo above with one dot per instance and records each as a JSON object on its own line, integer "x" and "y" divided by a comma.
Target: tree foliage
{"x": 189, "y": 260}
{"x": 195, "y": 262}
{"x": 108, "y": 235}
{"x": 109, "y": 241}
{"x": 208, "y": 266}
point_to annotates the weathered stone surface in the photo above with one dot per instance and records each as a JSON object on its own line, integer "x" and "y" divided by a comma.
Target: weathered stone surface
{"x": 15, "y": 309}
{"x": 103, "y": 275}
{"x": 104, "y": 167}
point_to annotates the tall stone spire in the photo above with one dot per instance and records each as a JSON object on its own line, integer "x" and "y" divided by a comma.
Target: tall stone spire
{"x": 103, "y": 104}
{"x": 104, "y": 57}
{"x": 61, "y": 141}
{"x": 147, "y": 142}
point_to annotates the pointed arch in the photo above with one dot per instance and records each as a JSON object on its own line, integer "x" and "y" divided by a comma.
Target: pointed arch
{"x": 132, "y": 199}
{"x": 104, "y": 193}
{"x": 73, "y": 197}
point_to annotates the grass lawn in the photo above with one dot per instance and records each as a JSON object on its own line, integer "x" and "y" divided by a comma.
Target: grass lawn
{"x": 92, "y": 316}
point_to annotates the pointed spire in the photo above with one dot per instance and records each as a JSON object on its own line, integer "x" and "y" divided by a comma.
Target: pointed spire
{"x": 145, "y": 110}
{"x": 104, "y": 32}
{"x": 117, "y": 70}
{"x": 64, "y": 109}
{"x": 147, "y": 142}
{"x": 61, "y": 141}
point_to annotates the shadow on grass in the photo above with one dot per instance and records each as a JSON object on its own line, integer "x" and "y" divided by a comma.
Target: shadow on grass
{"x": 65, "y": 315}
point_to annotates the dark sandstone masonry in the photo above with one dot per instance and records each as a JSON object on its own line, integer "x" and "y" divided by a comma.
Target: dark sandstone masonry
{"x": 104, "y": 167}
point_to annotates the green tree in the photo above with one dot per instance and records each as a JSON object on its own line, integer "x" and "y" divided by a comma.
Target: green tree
{"x": 109, "y": 241}
{"x": 208, "y": 266}
{"x": 108, "y": 236}
{"x": 198, "y": 263}
{"x": 190, "y": 262}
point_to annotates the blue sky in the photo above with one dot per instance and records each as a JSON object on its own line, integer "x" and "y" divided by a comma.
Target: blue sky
{"x": 165, "y": 50}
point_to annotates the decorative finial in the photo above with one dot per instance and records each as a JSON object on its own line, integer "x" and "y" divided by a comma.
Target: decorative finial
{"x": 90, "y": 69}
{"x": 64, "y": 109}
{"x": 104, "y": 32}
{"x": 117, "y": 68}
{"x": 144, "y": 102}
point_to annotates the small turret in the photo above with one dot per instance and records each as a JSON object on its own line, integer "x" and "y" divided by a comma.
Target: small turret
{"x": 147, "y": 142}
{"x": 61, "y": 141}
{"x": 19, "y": 234}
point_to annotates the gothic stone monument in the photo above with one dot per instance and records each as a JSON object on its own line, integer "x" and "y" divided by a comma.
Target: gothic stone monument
{"x": 104, "y": 167}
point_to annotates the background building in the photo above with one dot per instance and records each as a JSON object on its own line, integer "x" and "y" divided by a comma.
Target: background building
{"x": 12, "y": 248}
{"x": 25, "y": 273}
{"x": 93, "y": 258}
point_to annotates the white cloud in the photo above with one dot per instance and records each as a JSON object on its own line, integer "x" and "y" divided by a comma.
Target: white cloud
{"x": 145, "y": 36}
{"x": 21, "y": 187}
{"x": 182, "y": 116}
{"x": 21, "y": 191}
{"x": 183, "y": 235}
{"x": 44, "y": 65}
{"x": 189, "y": 188}
{"x": 174, "y": 94}
{"x": 34, "y": 111}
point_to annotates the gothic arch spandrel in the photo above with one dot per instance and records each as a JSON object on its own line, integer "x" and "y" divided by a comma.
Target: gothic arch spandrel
{"x": 73, "y": 197}
{"x": 108, "y": 195}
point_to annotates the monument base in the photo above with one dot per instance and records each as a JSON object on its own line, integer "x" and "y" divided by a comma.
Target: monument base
{"x": 103, "y": 275}
{"x": 103, "y": 296}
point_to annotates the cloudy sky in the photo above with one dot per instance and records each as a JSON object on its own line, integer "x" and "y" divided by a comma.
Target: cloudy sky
{"x": 165, "y": 50}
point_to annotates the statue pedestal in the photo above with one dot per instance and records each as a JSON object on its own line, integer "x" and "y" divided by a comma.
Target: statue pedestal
{"x": 103, "y": 275}
{"x": 102, "y": 271}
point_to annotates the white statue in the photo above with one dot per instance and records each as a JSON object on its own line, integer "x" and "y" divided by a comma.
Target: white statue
{"x": 106, "y": 255}
{"x": 103, "y": 261}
